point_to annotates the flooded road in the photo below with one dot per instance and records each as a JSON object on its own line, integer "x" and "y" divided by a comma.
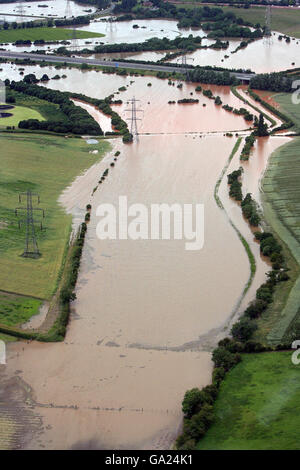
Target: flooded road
{"x": 148, "y": 312}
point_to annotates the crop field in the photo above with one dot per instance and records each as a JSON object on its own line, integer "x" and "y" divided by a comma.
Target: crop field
{"x": 45, "y": 165}
{"x": 48, "y": 34}
{"x": 18, "y": 114}
{"x": 260, "y": 398}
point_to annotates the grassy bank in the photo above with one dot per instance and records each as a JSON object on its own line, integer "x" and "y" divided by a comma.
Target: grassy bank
{"x": 48, "y": 34}
{"x": 260, "y": 398}
{"x": 46, "y": 165}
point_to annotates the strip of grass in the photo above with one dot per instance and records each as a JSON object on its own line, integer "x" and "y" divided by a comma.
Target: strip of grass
{"x": 45, "y": 165}
{"x": 48, "y": 34}
{"x": 260, "y": 398}
{"x": 19, "y": 113}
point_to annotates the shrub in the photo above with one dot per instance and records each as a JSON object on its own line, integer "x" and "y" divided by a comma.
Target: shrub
{"x": 243, "y": 329}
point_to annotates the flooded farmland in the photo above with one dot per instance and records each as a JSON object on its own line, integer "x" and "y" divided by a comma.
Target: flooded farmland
{"x": 146, "y": 315}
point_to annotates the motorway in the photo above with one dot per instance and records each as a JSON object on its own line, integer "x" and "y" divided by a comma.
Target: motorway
{"x": 105, "y": 63}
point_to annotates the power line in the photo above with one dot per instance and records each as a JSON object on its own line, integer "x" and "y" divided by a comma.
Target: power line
{"x": 134, "y": 118}
{"x": 31, "y": 249}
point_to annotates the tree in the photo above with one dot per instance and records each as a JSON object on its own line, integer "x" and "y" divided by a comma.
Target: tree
{"x": 262, "y": 128}
{"x": 243, "y": 329}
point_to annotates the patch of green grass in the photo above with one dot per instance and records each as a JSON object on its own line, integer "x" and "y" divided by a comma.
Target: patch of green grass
{"x": 46, "y": 165}
{"x": 258, "y": 406}
{"x": 48, "y": 34}
{"x": 20, "y": 113}
{"x": 16, "y": 309}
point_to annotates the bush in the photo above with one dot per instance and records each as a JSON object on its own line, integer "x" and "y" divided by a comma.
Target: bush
{"x": 243, "y": 329}
{"x": 225, "y": 359}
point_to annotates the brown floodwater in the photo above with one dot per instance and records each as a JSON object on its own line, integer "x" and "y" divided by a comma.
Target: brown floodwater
{"x": 147, "y": 312}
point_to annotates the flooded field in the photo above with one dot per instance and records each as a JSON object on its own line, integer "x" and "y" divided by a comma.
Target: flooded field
{"x": 204, "y": 116}
{"x": 148, "y": 312}
{"x": 51, "y": 8}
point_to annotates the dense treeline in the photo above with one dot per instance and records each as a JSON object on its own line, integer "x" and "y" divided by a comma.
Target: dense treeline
{"x": 209, "y": 76}
{"x": 272, "y": 82}
{"x": 78, "y": 120}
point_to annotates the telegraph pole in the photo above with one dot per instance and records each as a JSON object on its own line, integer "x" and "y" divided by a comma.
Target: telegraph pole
{"x": 31, "y": 249}
{"x": 134, "y": 118}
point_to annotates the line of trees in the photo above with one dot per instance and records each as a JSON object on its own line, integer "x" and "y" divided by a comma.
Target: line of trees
{"x": 78, "y": 120}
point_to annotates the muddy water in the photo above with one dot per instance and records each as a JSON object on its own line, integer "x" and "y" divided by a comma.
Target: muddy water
{"x": 146, "y": 313}
{"x": 157, "y": 116}
{"x": 134, "y": 342}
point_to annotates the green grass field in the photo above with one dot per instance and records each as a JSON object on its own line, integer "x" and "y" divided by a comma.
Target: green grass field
{"x": 45, "y": 165}
{"x": 48, "y": 34}
{"x": 258, "y": 406}
{"x": 18, "y": 114}
{"x": 286, "y": 21}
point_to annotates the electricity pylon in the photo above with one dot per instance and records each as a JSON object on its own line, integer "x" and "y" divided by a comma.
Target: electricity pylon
{"x": 69, "y": 14}
{"x": 20, "y": 10}
{"x": 185, "y": 71}
{"x": 111, "y": 25}
{"x": 133, "y": 118}
{"x": 268, "y": 32}
{"x": 31, "y": 249}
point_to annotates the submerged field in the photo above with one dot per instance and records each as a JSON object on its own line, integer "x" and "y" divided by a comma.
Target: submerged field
{"x": 48, "y": 34}
{"x": 45, "y": 165}
{"x": 258, "y": 406}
